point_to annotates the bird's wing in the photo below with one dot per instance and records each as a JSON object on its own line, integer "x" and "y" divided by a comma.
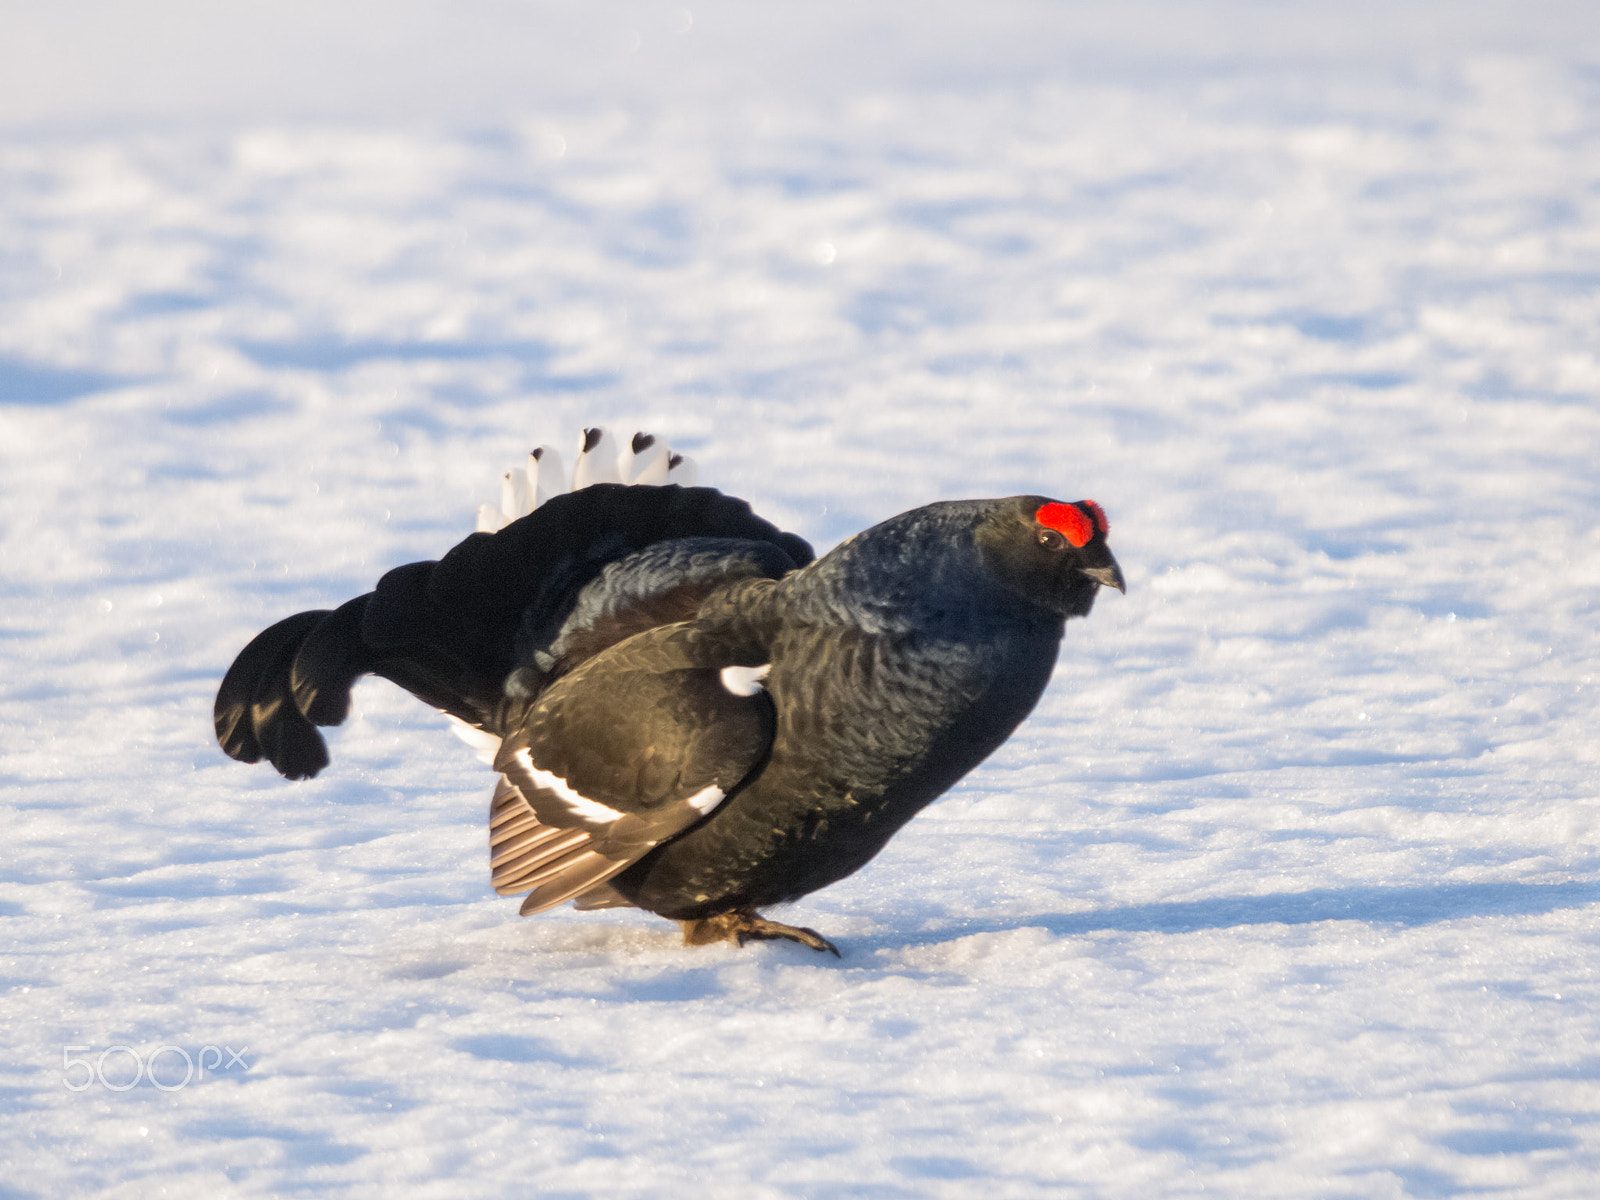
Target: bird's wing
{"x": 631, "y": 749}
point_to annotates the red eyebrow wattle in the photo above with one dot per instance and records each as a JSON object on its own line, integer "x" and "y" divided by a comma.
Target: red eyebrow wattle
{"x": 1068, "y": 520}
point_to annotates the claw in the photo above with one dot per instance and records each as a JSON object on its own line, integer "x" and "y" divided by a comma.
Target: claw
{"x": 745, "y": 925}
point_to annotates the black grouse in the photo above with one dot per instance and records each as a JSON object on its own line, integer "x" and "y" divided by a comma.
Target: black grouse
{"x": 689, "y": 713}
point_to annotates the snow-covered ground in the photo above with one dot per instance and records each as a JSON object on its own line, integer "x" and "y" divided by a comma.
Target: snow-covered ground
{"x": 1289, "y": 888}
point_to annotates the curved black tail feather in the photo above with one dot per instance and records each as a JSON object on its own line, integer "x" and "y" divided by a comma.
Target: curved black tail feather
{"x": 451, "y": 631}
{"x": 256, "y": 714}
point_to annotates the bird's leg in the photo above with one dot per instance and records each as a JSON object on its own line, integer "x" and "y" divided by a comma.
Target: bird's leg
{"x": 742, "y": 925}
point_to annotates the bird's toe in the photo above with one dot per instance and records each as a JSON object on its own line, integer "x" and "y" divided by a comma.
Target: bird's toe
{"x": 743, "y": 926}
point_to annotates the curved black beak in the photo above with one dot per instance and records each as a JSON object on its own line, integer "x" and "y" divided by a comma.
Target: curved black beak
{"x": 1110, "y": 574}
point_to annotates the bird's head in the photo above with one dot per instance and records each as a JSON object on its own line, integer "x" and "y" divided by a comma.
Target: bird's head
{"x": 1053, "y": 554}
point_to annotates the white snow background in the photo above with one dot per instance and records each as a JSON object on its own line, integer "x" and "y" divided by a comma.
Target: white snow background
{"x": 1289, "y": 887}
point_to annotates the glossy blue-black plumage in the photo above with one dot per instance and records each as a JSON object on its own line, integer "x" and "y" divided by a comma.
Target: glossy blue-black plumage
{"x": 589, "y": 639}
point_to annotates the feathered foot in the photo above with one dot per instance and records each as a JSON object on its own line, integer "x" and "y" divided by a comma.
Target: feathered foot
{"x": 744, "y": 925}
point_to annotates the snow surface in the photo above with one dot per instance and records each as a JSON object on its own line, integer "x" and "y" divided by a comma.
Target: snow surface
{"x": 1290, "y": 886}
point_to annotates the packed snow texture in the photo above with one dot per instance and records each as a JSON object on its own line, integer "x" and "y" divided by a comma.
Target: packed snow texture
{"x": 1288, "y": 888}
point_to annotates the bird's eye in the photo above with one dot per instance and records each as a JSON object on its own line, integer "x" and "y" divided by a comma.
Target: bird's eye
{"x": 1050, "y": 539}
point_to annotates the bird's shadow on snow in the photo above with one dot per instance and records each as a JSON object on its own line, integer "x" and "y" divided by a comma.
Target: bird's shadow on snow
{"x": 1402, "y": 907}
